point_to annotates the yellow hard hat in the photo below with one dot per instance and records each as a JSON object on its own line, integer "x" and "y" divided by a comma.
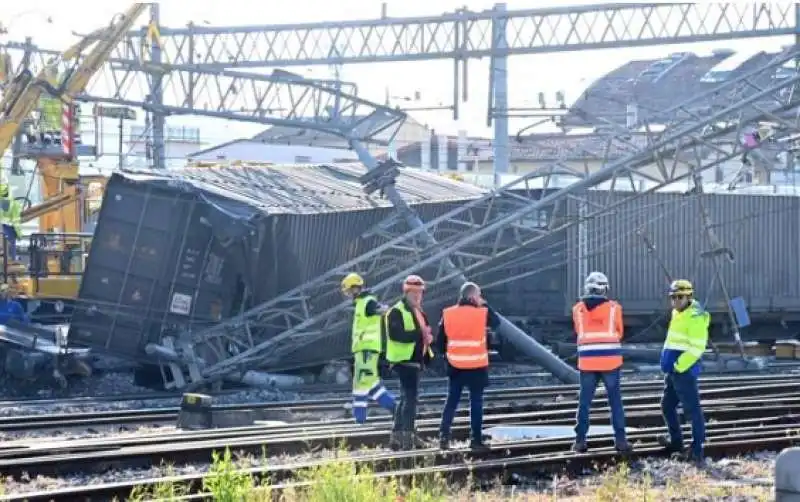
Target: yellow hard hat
{"x": 681, "y": 287}
{"x": 352, "y": 280}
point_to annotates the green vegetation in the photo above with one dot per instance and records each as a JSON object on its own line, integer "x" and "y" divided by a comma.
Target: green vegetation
{"x": 344, "y": 480}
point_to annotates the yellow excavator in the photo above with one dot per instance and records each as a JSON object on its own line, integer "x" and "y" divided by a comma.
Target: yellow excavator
{"x": 57, "y": 253}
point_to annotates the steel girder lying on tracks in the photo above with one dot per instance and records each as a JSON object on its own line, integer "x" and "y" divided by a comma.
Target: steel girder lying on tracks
{"x": 704, "y": 136}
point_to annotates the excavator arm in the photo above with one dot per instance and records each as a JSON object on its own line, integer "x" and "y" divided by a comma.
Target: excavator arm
{"x": 22, "y": 94}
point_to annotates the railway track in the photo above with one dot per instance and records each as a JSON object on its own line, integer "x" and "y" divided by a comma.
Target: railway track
{"x": 301, "y": 389}
{"x": 499, "y": 399}
{"x": 505, "y": 461}
{"x": 768, "y": 407}
{"x": 38, "y": 457}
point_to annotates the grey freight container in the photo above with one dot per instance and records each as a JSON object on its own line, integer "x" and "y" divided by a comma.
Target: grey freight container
{"x": 762, "y": 231}
{"x": 154, "y": 264}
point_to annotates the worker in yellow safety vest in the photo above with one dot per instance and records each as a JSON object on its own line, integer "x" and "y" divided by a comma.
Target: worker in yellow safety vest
{"x": 681, "y": 356}
{"x": 50, "y": 110}
{"x": 408, "y": 350}
{"x": 367, "y": 347}
{"x": 10, "y": 215}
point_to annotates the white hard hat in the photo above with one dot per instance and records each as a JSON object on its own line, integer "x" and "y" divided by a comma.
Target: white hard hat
{"x": 596, "y": 283}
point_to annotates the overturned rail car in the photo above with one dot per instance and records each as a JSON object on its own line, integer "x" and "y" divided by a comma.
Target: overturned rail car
{"x": 202, "y": 244}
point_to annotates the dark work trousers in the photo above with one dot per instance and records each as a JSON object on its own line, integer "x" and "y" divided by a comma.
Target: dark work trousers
{"x": 405, "y": 414}
{"x": 681, "y": 388}
{"x": 588, "y": 387}
{"x": 475, "y": 381}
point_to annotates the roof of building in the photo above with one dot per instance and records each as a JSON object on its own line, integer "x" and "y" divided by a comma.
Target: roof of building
{"x": 310, "y": 189}
{"x": 247, "y": 150}
{"x": 294, "y": 136}
{"x": 552, "y": 147}
{"x": 680, "y": 79}
{"x": 543, "y": 147}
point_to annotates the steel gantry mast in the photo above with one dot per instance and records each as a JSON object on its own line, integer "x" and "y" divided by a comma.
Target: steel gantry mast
{"x": 210, "y": 54}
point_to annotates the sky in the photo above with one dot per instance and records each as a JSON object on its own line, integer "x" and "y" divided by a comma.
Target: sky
{"x": 51, "y": 24}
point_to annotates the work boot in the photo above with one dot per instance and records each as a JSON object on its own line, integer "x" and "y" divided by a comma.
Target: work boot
{"x": 444, "y": 442}
{"x": 697, "y": 460}
{"x": 623, "y": 447}
{"x": 580, "y": 447}
{"x": 396, "y": 441}
{"x": 479, "y": 447}
{"x": 669, "y": 446}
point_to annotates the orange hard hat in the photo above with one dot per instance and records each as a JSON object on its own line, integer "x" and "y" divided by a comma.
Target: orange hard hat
{"x": 413, "y": 283}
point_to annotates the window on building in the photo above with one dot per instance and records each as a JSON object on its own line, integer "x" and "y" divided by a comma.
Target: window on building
{"x": 302, "y": 159}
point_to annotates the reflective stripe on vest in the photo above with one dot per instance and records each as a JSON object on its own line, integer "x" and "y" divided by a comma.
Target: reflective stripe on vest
{"x": 598, "y": 349}
{"x": 399, "y": 352}
{"x": 465, "y": 328}
{"x": 366, "y": 331}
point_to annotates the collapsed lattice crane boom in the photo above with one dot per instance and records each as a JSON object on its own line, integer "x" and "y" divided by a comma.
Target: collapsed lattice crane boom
{"x": 732, "y": 104}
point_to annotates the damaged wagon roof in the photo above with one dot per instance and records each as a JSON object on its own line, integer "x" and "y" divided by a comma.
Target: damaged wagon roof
{"x": 311, "y": 189}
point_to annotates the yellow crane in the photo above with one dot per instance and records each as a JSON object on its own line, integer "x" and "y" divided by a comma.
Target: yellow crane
{"x": 49, "y": 275}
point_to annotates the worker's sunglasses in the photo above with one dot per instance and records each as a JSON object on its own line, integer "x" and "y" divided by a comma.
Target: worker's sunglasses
{"x": 677, "y": 297}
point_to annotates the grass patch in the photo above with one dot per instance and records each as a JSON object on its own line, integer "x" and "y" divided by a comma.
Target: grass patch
{"x": 343, "y": 480}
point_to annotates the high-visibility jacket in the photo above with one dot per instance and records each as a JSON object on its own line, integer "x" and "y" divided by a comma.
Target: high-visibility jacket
{"x": 11, "y": 214}
{"x": 465, "y": 328}
{"x": 366, "y": 330}
{"x": 403, "y": 352}
{"x": 400, "y": 352}
{"x": 686, "y": 340}
{"x": 599, "y": 333}
{"x": 51, "y": 112}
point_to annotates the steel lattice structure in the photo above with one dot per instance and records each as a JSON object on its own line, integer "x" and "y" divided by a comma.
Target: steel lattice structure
{"x": 278, "y": 98}
{"x": 467, "y": 34}
{"x": 503, "y": 222}
{"x": 185, "y": 60}
{"x": 458, "y": 36}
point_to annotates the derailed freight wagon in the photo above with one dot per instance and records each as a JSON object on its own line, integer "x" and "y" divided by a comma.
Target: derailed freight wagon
{"x": 202, "y": 244}
{"x": 663, "y": 234}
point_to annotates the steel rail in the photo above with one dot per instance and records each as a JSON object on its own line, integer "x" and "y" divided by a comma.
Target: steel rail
{"x": 776, "y": 394}
{"x": 507, "y": 468}
{"x": 560, "y": 412}
{"x": 523, "y": 394}
{"x": 314, "y": 388}
{"x": 384, "y": 463}
{"x": 77, "y": 456}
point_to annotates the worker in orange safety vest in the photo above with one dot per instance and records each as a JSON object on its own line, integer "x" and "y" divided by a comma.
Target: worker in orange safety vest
{"x": 464, "y": 339}
{"x": 598, "y": 325}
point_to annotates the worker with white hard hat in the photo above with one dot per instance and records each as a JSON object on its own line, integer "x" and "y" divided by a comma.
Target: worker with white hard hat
{"x": 598, "y": 325}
